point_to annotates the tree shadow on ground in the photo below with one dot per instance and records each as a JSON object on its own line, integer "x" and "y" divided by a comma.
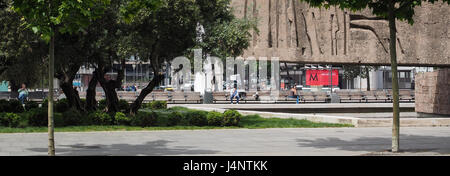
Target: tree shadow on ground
{"x": 408, "y": 143}
{"x": 158, "y": 147}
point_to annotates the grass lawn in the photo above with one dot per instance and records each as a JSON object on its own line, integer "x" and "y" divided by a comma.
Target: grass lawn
{"x": 251, "y": 122}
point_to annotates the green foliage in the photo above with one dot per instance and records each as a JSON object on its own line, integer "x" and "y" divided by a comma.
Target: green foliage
{"x": 197, "y": 118}
{"x": 31, "y": 105}
{"x": 228, "y": 38}
{"x": 144, "y": 119}
{"x": 121, "y": 119}
{"x": 21, "y": 51}
{"x": 14, "y": 106}
{"x": 174, "y": 118}
{"x": 83, "y": 102}
{"x": 37, "y": 117}
{"x": 58, "y": 119}
{"x": 4, "y": 105}
{"x": 215, "y": 118}
{"x": 70, "y": 16}
{"x": 62, "y": 105}
{"x": 72, "y": 117}
{"x": 124, "y": 106}
{"x": 353, "y": 71}
{"x": 102, "y": 104}
{"x": 157, "y": 105}
{"x": 403, "y": 9}
{"x": 101, "y": 118}
{"x": 133, "y": 7}
{"x": 11, "y": 120}
{"x": 231, "y": 118}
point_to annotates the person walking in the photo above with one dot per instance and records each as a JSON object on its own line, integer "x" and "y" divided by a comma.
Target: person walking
{"x": 234, "y": 94}
{"x": 23, "y": 93}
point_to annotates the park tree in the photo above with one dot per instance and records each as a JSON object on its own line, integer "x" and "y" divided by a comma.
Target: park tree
{"x": 47, "y": 17}
{"x": 171, "y": 31}
{"x": 391, "y": 10}
{"x": 104, "y": 37}
{"x": 160, "y": 35}
{"x": 354, "y": 71}
{"x": 21, "y": 52}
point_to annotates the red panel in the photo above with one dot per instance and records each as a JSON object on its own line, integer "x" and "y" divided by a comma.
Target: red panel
{"x": 321, "y": 77}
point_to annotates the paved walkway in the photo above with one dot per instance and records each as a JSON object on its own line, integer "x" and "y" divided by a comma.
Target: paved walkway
{"x": 319, "y": 141}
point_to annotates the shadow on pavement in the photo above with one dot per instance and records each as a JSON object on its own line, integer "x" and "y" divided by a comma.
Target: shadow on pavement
{"x": 158, "y": 147}
{"x": 408, "y": 143}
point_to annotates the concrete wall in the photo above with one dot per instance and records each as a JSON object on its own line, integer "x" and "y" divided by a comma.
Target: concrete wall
{"x": 433, "y": 92}
{"x": 293, "y": 31}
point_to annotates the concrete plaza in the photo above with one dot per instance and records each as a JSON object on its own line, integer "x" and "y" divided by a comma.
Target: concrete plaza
{"x": 300, "y": 141}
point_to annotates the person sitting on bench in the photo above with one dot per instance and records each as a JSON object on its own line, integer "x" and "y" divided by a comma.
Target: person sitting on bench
{"x": 234, "y": 93}
{"x": 293, "y": 93}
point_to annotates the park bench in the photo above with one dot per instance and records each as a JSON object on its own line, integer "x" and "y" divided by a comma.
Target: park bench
{"x": 220, "y": 96}
{"x": 343, "y": 95}
{"x": 369, "y": 96}
{"x": 321, "y": 97}
{"x": 160, "y": 96}
{"x": 177, "y": 96}
{"x": 193, "y": 97}
{"x": 356, "y": 96}
{"x": 5, "y": 95}
{"x": 406, "y": 95}
{"x": 382, "y": 95}
{"x": 307, "y": 96}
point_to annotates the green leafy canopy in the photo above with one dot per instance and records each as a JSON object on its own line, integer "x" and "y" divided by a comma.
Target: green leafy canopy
{"x": 404, "y": 9}
{"x": 69, "y": 16}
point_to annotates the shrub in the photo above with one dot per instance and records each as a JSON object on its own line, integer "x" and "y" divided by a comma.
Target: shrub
{"x": 124, "y": 106}
{"x": 121, "y": 119}
{"x": 37, "y": 117}
{"x": 215, "y": 118}
{"x": 83, "y": 102}
{"x": 57, "y": 119}
{"x": 157, "y": 105}
{"x": 174, "y": 118}
{"x": 14, "y": 106}
{"x": 144, "y": 119}
{"x": 12, "y": 120}
{"x": 4, "y": 105}
{"x": 101, "y": 118}
{"x": 231, "y": 118}
{"x": 45, "y": 103}
{"x": 31, "y": 105}
{"x": 197, "y": 118}
{"x": 62, "y": 105}
{"x": 102, "y": 104}
{"x": 72, "y": 117}
{"x": 3, "y": 121}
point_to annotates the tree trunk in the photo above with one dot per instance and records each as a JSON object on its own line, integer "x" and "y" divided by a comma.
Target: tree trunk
{"x": 66, "y": 75}
{"x": 72, "y": 96}
{"x": 109, "y": 86}
{"x": 91, "y": 103}
{"x": 393, "y": 53}
{"x": 14, "y": 89}
{"x": 368, "y": 78}
{"x": 112, "y": 101}
{"x": 147, "y": 90}
{"x": 51, "y": 137}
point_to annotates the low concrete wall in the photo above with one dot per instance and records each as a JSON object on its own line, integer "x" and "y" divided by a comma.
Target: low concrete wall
{"x": 356, "y": 122}
{"x": 433, "y": 92}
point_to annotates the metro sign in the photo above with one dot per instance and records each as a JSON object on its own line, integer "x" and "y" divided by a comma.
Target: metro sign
{"x": 321, "y": 77}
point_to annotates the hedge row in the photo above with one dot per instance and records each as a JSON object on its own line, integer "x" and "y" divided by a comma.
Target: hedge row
{"x": 164, "y": 117}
